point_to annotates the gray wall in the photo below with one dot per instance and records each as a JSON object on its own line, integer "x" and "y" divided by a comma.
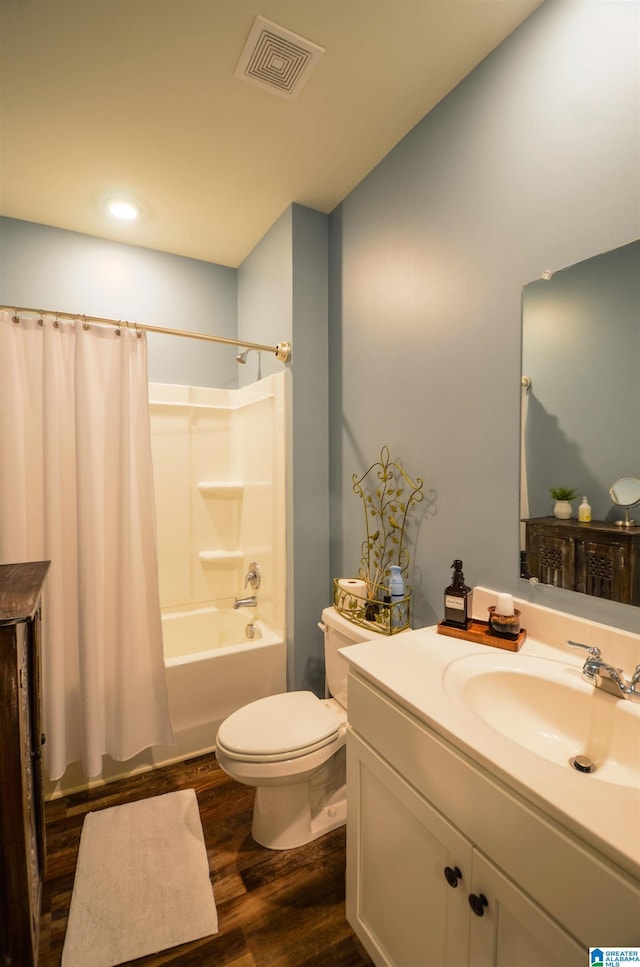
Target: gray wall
{"x": 581, "y": 350}
{"x": 309, "y": 450}
{"x": 282, "y": 294}
{"x": 530, "y": 163}
{"x": 265, "y": 297}
{"x": 49, "y": 268}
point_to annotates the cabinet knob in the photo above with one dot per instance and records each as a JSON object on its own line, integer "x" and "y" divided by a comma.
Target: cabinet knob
{"x": 478, "y": 903}
{"x": 452, "y": 875}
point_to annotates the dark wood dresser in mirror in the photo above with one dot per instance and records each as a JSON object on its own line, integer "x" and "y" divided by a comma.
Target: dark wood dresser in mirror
{"x": 22, "y": 846}
{"x": 598, "y": 558}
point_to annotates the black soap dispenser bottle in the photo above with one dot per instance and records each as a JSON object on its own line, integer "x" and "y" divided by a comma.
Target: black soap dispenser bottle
{"x": 457, "y": 600}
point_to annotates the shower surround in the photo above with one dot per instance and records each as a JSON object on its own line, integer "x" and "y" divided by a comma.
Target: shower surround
{"x": 219, "y": 477}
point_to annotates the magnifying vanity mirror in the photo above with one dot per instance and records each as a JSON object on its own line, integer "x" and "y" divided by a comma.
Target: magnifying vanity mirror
{"x": 626, "y": 493}
{"x": 581, "y": 425}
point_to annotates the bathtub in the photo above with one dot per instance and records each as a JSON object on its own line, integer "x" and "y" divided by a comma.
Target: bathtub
{"x": 213, "y": 668}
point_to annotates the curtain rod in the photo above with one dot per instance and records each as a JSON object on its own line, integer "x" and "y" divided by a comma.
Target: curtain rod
{"x": 282, "y": 350}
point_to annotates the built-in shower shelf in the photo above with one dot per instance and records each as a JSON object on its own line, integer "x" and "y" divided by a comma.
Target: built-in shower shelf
{"x": 228, "y": 490}
{"x": 187, "y": 405}
{"x": 221, "y": 558}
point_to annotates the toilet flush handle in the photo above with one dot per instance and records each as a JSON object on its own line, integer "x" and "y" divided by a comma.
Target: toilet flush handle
{"x": 322, "y": 626}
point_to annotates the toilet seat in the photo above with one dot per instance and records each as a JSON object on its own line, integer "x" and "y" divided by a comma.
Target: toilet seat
{"x": 278, "y": 728}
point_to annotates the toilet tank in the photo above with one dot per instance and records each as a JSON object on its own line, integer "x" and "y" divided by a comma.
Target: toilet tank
{"x": 338, "y": 633}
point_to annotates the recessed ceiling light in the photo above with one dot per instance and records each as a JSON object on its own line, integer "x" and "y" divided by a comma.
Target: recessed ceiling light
{"x": 124, "y": 210}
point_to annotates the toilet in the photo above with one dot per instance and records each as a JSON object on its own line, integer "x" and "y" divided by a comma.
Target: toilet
{"x": 291, "y": 747}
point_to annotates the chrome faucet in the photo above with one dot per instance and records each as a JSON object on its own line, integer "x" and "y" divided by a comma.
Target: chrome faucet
{"x": 250, "y": 602}
{"x": 605, "y": 676}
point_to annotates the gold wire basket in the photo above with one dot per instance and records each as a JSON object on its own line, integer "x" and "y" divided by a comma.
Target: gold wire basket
{"x": 375, "y": 614}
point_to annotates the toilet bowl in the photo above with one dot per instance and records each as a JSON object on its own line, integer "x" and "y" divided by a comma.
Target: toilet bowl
{"x": 291, "y": 747}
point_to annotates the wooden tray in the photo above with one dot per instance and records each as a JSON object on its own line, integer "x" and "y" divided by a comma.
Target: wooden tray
{"x": 479, "y": 632}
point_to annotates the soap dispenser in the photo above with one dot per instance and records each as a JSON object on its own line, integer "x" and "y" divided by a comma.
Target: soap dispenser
{"x": 584, "y": 511}
{"x": 457, "y": 600}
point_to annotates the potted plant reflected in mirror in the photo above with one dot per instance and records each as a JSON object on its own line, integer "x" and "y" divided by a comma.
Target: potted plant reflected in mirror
{"x": 563, "y": 497}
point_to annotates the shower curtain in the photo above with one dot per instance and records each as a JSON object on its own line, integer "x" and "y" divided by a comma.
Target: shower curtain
{"x": 76, "y": 488}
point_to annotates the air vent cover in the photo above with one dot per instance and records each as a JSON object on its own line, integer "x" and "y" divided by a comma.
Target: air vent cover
{"x": 276, "y": 59}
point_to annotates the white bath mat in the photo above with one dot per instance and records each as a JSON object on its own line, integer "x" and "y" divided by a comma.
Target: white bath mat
{"x": 141, "y": 884}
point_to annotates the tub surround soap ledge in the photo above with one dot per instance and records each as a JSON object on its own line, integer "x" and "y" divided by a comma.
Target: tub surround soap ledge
{"x": 221, "y": 489}
{"x": 221, "y": 558}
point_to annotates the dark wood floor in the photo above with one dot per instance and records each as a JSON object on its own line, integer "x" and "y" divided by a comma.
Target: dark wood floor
{"x": 275, "y": 908}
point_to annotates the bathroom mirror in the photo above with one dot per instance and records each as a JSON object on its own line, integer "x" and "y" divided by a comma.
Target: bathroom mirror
{"x": 581, "y": 392}
{"x": 626, "y": 493}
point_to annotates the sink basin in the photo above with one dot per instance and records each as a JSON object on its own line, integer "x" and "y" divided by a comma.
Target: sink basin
{"x": 546, "y": 707}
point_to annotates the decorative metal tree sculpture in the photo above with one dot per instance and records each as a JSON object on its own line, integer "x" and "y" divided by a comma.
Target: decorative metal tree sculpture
{"x": 385, "y": 510}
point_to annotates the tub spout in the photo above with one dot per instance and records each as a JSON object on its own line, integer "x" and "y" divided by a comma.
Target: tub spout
{"x": 249, "y": 602}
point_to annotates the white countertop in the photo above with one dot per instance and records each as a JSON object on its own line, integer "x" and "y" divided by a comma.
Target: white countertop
{"x": 410, "y": 669}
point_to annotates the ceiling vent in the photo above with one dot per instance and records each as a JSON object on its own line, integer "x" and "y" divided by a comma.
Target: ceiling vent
{"x": 277, "y": 60}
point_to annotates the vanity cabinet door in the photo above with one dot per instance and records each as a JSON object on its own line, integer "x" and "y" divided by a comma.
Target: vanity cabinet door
{"x": 403, "y": 906}
{"x": 551, "y": 557}
{"x": 603, "y": 570}
{"x": 512, "y": 929}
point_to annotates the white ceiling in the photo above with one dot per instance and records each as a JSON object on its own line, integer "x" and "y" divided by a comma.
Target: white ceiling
{"x": 138, "y": 98}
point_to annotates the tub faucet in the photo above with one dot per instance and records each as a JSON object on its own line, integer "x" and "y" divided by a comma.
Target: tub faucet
{"x": 605, "y": 676}
{"x": 249, "y": 602}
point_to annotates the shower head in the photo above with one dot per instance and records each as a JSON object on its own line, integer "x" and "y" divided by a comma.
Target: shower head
{"x": 242, "y": 359}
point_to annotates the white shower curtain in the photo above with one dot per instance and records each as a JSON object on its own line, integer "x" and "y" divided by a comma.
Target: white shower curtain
{"x": 76, "y": 488}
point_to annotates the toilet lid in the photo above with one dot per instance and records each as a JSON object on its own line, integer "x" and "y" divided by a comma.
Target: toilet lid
{"x": 278, "y": 727}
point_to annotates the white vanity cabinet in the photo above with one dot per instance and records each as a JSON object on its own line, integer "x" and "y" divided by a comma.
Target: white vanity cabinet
{"x": 398, "y": 900}
{"x": 514, "y": 931}
{"x": 428, "y": 830}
